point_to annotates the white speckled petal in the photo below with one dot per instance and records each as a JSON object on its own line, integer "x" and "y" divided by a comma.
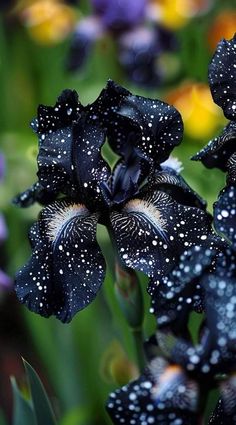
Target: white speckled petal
{"x": 66, "y": 268}
{"x": 153, "y": 231}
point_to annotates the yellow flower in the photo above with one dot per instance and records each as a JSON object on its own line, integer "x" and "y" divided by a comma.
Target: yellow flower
{"x": 223, "y": 26}
{"x": 200, "y": 114}
{"x": 48, "y": 21}
{"x": 176, "y": 13}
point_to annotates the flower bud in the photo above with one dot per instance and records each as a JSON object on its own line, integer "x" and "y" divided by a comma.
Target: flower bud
{"x": 129, "y": 295}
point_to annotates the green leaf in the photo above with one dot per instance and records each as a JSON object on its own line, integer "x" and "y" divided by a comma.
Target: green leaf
{"x": 23, "y": 413}
{"x": 42, "y": 407}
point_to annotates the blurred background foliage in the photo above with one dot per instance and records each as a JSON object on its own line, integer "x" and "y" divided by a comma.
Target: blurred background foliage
{"x": 82, "y": 362}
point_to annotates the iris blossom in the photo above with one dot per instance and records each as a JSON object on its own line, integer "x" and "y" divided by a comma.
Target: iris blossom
{"x": 150, "y": 212}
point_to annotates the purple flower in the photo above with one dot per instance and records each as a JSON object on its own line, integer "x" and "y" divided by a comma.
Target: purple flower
{"x": 120, "y": 14}
{"x": 139, "y": 41}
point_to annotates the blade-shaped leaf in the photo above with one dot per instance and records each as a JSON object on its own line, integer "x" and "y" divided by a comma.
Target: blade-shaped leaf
{"x": 42, "y": 407}
{"x": 23, "y": 413}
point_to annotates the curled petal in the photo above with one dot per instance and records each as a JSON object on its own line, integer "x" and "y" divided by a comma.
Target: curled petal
{"x": 153, "y": 231}
{"x": 219, "y": 150}
{"x": 66, "y": 268}
{"x": 225, "y": 214}
{"x": 222, "y": 77}
{"x": 170, "y": 182}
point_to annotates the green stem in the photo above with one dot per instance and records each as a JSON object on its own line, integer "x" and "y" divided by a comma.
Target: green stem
{"x": 138, "y": 342}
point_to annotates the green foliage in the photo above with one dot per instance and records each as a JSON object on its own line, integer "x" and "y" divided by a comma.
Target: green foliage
{"x": 41, "y": 405}
{"x": 35, "y": 411}
{"x": 23, "y": 413}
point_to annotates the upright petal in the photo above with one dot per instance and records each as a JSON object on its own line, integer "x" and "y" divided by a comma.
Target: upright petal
{"x": 90, "y": 168}
{"x": 153, "y": 230}
{"x": 222, "y": 77}
{"x": 150, "y": 126}
{"x": 54, "y": 127}
{"x": 159, "y": 125}
{"x": 66, "y": 268}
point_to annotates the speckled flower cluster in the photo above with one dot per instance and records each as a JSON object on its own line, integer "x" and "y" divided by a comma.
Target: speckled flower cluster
{"x": 173, "y": 389}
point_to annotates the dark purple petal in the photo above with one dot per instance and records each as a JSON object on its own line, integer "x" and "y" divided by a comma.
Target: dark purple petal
{"x": 222, "y": 77}
{"x": 159, "y": 125}
{"x": 66, "y": 268}
{"x": 117, "y": 15}
{"x": 3, "y": 229}
{"x": 225, "y": 214}
{"x": 86, "y": 33}
{"x": 54, "y": 127}
{"x": 5, "y": 281}
{"x": 218, "y": 151}
{"x": 125, "y": 178}
{"x": 150, "y": 126}
{"x": 220, "y": 319}
{"x": 179, "y": 293}
{"x": 193, "y": 358}
{"x": 172, "y": 183}
{"x": 162, "y": 395}
{"x": 90, "y": 168}
{"x": 36, "y": 193}
{"x": 139, "y": 50}
{"x": 153, "y": 231}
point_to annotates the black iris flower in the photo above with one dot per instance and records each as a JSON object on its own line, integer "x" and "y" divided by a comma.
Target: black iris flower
{"x": 149, "y": 210}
